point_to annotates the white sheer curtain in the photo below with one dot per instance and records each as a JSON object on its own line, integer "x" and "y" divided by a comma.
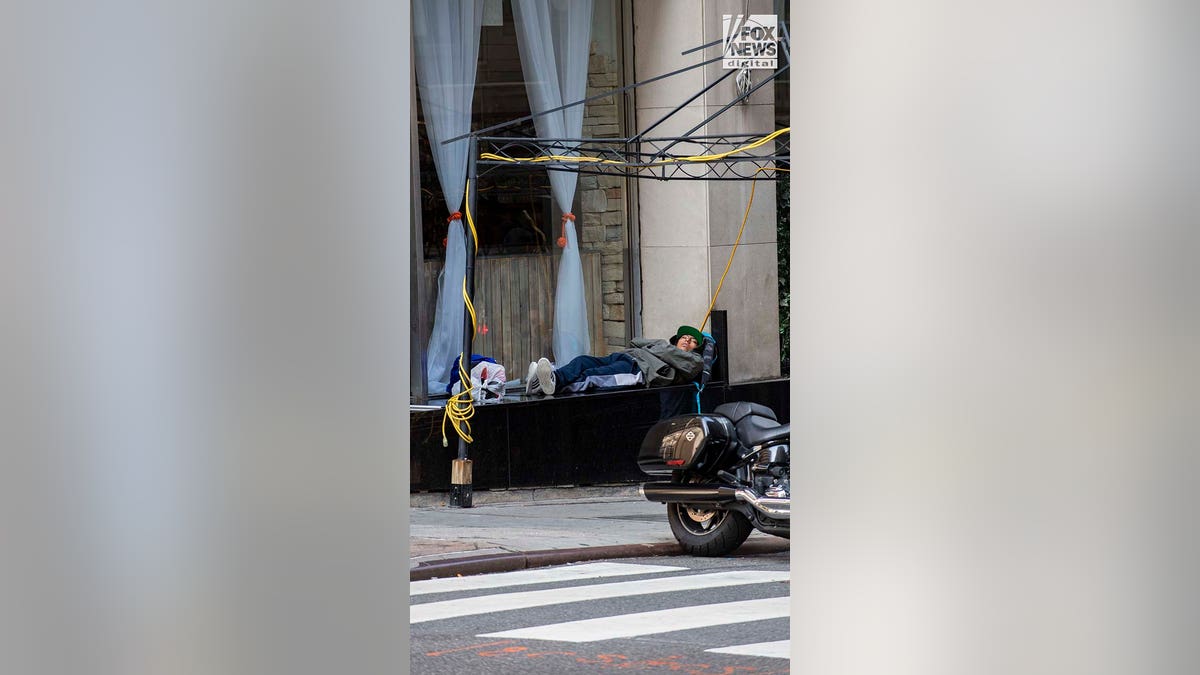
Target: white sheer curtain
{"x": 554, "y": 39}
{"x": 446, "y": 33}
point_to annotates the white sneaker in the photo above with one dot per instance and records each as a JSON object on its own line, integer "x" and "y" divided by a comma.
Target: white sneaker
{"x": 545, "y": 376}
{"x": 531, "y": 380}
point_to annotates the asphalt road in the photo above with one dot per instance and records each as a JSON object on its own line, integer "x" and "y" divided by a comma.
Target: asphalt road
{"x": 641, "y": 615}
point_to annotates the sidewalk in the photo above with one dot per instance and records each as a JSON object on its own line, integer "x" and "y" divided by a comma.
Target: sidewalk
{"x": 517, "y": 529}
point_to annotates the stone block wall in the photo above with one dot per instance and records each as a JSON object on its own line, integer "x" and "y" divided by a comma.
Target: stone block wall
{"x": 603, "y": 213}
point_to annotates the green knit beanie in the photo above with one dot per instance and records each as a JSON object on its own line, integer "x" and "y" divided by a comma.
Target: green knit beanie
{"x": 688, "y": 330}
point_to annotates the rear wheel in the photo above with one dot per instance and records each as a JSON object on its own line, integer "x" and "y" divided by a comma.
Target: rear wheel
{"x": 707, "y": 531}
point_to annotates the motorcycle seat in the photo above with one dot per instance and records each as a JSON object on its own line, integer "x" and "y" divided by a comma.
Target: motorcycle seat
{"x": 757, "y": 435}
{"x": 740, "y": 409}
{"x": 756, "y": 424}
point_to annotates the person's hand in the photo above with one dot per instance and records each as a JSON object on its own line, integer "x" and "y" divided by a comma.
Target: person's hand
{"x": 709, "y": 337}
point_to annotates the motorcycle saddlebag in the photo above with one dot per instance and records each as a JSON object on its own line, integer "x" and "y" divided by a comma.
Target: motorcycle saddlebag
{"x": 681, "y": 442}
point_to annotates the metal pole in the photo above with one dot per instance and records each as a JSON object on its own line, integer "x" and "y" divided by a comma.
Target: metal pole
{"x": 589, "y": 99}
{"x": 460, "y": 471}
{"x": 643, "y": 132}
{"x": 727, "y": 106}
{"x": 714, "y": 43}
{"x": 785, "y": 41}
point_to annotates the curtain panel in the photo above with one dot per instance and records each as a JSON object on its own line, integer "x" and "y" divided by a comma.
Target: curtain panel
{"x": 446, "y": 37}
{"x": 554, "y": 38}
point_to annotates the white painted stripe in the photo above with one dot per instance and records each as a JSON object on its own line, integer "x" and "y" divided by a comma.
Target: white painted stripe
{"x": 499, "y": 602}
{"x": 775, "y": 650}
{"x": 538, "y": 576}
{"x": 648, "y": 623}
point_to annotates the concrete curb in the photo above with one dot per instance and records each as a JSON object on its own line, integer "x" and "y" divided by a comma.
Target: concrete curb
{"x": 510, "y": 562}
{"x": 425, "y": 500}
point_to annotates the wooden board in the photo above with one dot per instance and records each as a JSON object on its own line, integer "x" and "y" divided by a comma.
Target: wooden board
{"x": 514, "y": 298}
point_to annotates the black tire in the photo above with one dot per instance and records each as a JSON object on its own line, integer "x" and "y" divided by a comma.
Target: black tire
{"x": 708, "y": 533}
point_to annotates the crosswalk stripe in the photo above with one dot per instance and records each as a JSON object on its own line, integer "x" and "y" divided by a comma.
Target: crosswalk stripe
{"x": 648, "y": 623}
{"x": 778, "y": 650}
{"x": 538, "y": 576}
{"x": 499, "y": 602}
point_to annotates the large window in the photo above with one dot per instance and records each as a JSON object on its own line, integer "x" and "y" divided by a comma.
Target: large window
{"x": 513, "y": 209}
{"x": 517, "y": 221}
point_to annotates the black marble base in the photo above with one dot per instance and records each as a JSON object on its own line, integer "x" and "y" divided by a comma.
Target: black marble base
{"x": 577, "y": 439}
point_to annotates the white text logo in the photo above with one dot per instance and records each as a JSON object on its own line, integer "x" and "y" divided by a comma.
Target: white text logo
{"x": 750, "y": 41}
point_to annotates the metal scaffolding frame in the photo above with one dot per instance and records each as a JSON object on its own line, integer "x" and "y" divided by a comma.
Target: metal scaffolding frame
{"x": 658, "y": 158}
{"x": 638, "y": 156}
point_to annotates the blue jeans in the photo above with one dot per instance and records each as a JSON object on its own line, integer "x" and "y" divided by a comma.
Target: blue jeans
{"x": 585, "y": 366}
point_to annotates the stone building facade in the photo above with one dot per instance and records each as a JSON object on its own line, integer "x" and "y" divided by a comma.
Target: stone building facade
{"x": 603, "y": 209}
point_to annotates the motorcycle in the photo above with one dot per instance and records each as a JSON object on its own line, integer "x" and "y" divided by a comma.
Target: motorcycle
{"x": 729, "y": 473}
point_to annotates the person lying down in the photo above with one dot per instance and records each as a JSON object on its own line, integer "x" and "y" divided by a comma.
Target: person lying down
{"x": 686, "y": 357}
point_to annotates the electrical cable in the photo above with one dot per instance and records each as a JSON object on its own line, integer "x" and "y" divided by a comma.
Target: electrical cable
{"x": 669, "y": 160}
{"x": 460, "y": 408}
{"x": 745, "y": 218}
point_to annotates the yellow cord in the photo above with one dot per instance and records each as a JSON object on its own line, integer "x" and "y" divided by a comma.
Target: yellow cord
{"x": 753, "y": 185}
{"x": 471, "y": 222}
{"x": 470, "y": 306}
{"x": 461, "y": 406}
{"x": 670, "y": 160}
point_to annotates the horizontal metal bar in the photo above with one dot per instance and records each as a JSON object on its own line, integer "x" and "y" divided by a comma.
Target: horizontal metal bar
{"x": 648, "y": 159}
{"x": 649, "y": 165}
{"x": 659, "y": 139}
{"x": 617, "y": 168}
{"x": 708, "y": 174}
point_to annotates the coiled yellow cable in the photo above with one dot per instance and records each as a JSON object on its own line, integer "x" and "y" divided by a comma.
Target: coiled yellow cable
{"x": 460, "y": 408}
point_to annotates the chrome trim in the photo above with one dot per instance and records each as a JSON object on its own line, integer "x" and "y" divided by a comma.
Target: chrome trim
{"x": 780, "y": 509}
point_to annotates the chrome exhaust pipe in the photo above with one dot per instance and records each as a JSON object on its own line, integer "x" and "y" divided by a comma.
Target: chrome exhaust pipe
{"x": 688, "y": 494}
{"x": 780, "y": 509}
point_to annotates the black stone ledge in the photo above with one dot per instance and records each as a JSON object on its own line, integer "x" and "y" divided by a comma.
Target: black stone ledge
{"x": 511, "y": 562}
{"x": 569, "y": 440}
